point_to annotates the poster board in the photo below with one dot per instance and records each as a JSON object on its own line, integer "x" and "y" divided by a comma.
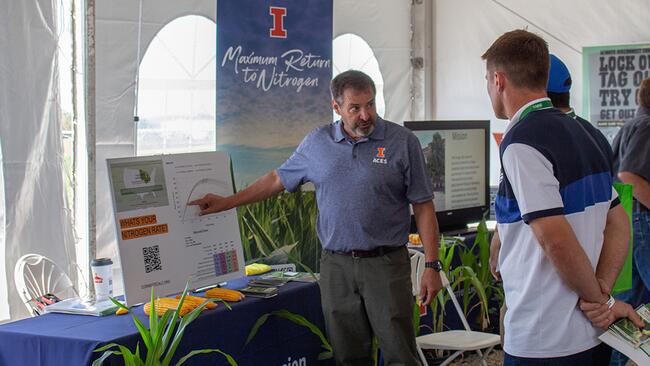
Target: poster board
{"x": 163, "y": 242}
{"x": 611, "y": 79}
{"x": 273, "y": 73}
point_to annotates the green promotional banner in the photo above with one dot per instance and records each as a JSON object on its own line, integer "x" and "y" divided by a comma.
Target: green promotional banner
{"x": 624, "y": 280}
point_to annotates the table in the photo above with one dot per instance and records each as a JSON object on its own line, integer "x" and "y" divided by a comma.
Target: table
{"x": 61, "y": 339}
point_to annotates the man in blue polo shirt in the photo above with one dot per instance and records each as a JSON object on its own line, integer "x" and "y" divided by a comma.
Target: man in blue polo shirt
{"x": 366, "y": 172}
{"x": 554, "y": 206}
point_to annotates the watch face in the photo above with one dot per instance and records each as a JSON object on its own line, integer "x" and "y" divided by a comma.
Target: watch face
{"x": 437, "y": 265}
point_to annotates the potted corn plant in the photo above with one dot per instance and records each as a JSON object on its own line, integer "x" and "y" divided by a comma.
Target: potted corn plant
{"x": 161, "y": 339}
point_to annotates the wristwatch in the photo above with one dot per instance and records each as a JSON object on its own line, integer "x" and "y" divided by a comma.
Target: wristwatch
{"x": 436, "y": 265}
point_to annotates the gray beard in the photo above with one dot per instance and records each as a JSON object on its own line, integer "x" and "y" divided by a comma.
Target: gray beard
{"x": 359, "y": 132}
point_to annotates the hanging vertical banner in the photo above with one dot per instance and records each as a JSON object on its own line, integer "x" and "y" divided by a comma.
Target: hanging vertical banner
{"x": 611, "y": 76}
{"x": 274, "y": 60}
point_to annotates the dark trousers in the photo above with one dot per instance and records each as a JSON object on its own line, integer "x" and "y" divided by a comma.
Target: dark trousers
{"x": 362, "y": 297}
{"x": 597, "y": 356}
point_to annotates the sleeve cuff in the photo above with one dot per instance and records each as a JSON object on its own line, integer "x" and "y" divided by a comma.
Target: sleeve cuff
{"x": 542, "y": 213}
{"x": 422, "y": 200}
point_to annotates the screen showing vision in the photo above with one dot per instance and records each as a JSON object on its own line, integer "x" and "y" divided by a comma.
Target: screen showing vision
{"x": 456, "y": 161}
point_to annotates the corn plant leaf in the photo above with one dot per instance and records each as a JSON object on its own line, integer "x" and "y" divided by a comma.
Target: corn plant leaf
{"x": 325, "y": 355}
{"x": 258, "y": 323}
{"x": 158, "y": 340}
{"x": 374, "y": 351}
{"x": 153, "y": 316}
{"x": 144, "y": 332}
{"x": 280, "y": 255}
{"x": 416, "y": 318}
{"x": 185, "y": 321}
{"x": 137, "y": 353}
{"x": 257, "y": 239}
{"x": 169, "y": 332}
{"x": 129, "y": 359}
{"x": 104, "y": 356}
{"x": 301, "y": 320}
{"x": 105, "y": 347}
{"x": 297, "y": 319}
{"x": 229, "y": 358}
{"x": 260, "y": 229}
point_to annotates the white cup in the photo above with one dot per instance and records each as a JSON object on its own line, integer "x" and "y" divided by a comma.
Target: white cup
{"x": 102, "y": 269}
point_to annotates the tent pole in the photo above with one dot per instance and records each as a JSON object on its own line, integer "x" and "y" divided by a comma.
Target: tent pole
{"x": 90, "y": 131}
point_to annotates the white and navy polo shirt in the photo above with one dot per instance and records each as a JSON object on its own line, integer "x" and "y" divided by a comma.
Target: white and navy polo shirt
{"x": 550, "y": 166}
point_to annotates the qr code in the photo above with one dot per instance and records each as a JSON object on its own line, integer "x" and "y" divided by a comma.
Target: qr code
{"x": 151, "y": 258}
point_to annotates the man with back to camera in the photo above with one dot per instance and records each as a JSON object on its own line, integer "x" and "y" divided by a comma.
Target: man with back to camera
{"x": 554, "y": 201}
{"x": 632, "y": 165}
{"x": 366, "y": 171}
{"x": 558, "y": 90}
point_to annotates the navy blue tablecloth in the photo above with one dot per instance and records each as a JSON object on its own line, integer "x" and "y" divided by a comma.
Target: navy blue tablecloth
{"x": 62, "y": 339}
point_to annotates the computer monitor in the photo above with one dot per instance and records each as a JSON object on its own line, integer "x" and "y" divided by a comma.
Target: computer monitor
{"x": 457, "y": 157}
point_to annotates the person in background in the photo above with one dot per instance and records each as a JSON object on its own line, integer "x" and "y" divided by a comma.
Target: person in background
{"x": 558, "y": 90}
{"x": 552, "y": 231}
{"x": 366, "y": 172}
{"x": 632, "y": 166}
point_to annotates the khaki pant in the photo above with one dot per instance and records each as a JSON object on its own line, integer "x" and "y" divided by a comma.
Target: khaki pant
{"x": 367, "y": 296}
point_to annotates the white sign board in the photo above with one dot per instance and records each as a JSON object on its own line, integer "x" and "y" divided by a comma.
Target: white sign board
{"x": 162, "y": 241}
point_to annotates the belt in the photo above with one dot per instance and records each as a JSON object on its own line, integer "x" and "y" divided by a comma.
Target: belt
{"x": 377, "y": 252}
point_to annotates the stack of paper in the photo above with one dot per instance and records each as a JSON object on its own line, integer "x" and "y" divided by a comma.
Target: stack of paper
{"x": 76, "y": 306}
{"x": 624, "y": 336}
{"x": 260, "y": 291}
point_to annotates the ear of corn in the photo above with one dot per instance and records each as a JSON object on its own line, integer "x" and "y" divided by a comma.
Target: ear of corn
{"x": 224, "y": 294}
{"x": 167, "y": 303}
{"x": 121, "y": 311}
{"x": 196, "y": 301}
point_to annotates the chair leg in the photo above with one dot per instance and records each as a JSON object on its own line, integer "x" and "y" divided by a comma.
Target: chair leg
{"x": 451, "y": 358}
{"x": 483, "y": 356}
{"x": 422, "y": 358}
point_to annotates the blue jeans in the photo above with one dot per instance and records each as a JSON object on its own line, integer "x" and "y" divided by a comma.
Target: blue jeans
{"x": 592, "y": 357}
{"x": 639, "y": 294}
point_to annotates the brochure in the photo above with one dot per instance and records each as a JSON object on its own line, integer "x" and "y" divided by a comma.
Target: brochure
{"x": 624, "y": 336}
{"x": 259, "y": 291}
{"x": 268, "y": 282}
{"x": 292, "y": 276}
{"x": 76, "y": 306}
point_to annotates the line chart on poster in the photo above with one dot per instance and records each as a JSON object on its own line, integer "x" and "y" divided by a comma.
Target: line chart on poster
{"x": 187, "y": 190}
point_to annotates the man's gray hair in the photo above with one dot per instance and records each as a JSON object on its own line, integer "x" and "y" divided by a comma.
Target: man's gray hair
{"x": 354, "y": 79}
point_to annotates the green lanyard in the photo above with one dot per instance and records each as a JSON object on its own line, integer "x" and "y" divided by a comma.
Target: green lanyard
{"x": 571, "y": 114}
{"x": 535, "y": 107}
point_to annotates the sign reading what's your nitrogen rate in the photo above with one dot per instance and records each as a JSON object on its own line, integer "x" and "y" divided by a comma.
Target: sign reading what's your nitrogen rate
{"x": 612, "y": 75}
{"x": 274, "y": 65}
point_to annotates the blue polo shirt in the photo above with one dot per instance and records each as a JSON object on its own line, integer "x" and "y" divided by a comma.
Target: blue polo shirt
{"x": 363, "y": 188}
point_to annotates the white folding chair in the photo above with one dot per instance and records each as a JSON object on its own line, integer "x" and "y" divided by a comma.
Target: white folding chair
{"x": 457, "y": 340}
{"x": 35, "y": 276}
{"x": 417, "y": 268}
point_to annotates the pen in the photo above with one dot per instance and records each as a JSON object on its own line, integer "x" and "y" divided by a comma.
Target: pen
{"x": 205, "y": 288}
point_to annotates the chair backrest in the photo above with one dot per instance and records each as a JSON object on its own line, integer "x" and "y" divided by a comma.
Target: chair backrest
{"x": 452, "y": 296}
{"x": 417, "y": 268}
{"x": 35, "y": 276}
